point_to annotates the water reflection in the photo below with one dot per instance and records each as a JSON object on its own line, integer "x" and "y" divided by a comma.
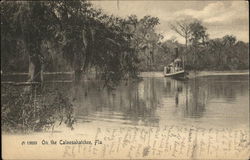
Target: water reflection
{"x": 134, "y": 103}
{"x": 158, "y": 101}
{"x": 196, "y": 99}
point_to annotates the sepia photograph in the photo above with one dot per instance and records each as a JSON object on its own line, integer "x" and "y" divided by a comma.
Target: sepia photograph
{"x": 125, "y": 79}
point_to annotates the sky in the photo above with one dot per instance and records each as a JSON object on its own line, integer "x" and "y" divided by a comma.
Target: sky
{"x": 219, "y": 17}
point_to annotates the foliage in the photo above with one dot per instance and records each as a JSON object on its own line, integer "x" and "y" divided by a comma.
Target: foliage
{"x": 30, "y": 23}
{"x": 182, "y": 28}
{"x": 33, "y": 111}
{"x": 145, "y": 40}
{"x": 202, "y": 53}
{"x": 198, "y": 33}
{"x": 87, "y": 38}
{"x": 9, "y": 34}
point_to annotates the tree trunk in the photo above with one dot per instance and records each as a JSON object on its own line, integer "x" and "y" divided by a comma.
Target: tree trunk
{"x": 35, "y": 69}
{"x": 78, "y": 59}
{"x": 186, "y": 41}
{"x": 78, "y": 75}
{"x": 184, "y": 56}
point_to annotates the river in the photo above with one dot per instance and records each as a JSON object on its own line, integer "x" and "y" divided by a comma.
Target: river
{"x": 203, "y": 117}
{"x": 216, "y": 101}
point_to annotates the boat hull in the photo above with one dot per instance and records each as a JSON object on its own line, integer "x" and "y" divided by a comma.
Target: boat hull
{"x": 179, "y": 74}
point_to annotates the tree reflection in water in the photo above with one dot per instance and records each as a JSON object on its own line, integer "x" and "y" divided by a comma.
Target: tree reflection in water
{"x": 189, "y": 95}
{"x": 134, "y": 103}
{"x": 197, "y": 96}
{"x": 155, "y": 100}
{"x": 158, "y": 101}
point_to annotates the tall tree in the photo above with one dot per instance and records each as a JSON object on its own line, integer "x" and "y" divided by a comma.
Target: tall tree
{"x": 229, "y": 40}
{"x": 146, "y": 38}
{"x": 92, "y": 38}
{"x": 198, "y": 33}
{"x": 183, "y": 28}
{"x": 32, "y": 24}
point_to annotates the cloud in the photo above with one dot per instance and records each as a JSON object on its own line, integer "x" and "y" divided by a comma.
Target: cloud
{"x": 219, "y": 17}
{"x": 219, "y": 12}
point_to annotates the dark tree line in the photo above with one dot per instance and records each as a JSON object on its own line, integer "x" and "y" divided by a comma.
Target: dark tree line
{"x": 72, "y": 35}
{"x": 85, "y": 37}
{"x": 202, "y": 53}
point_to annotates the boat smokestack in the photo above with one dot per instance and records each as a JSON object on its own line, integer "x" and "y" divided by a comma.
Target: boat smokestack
{"x": 176, "y": 52}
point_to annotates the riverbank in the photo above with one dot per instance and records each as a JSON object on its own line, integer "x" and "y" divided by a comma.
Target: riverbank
{"x": 68, "y": 76}
{"x": 193, "y": 74}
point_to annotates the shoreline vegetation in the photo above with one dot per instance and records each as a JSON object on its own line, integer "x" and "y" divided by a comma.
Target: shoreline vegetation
{"x": 150, "y": 73}
{"x": 77, "y": 36}
{"x": 91, "y": 76}
{"x": 192, "y": 74}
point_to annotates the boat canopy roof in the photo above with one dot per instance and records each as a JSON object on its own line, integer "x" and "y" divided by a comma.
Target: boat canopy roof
{"x": 177, "y": 60}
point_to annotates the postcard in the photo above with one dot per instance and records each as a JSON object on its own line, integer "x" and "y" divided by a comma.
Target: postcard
{"x": 125, "y": 79}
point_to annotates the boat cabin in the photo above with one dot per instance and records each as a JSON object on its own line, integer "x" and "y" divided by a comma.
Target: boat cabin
{"x": 174, "y": 66}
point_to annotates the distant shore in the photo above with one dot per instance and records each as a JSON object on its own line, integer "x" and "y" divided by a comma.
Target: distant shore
{"x": 215, "y": 73}
{"x": 153, "y": 73}
{"x": 193, "y": 74}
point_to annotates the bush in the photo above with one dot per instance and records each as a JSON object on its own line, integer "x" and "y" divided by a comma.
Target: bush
{"x": 33, "y": 110}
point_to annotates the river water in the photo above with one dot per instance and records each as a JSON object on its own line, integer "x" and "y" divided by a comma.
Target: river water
{"x": 155, "y": 101}
{"x": 215, "y": 101}
{"x": 200, "y": 118}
